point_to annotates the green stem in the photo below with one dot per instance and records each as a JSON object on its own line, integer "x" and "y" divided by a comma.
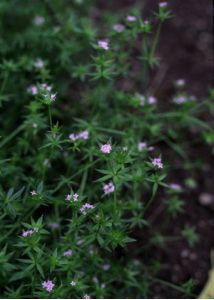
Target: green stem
{"x": 155, "y": 42}
{"x": 12, "y": 135}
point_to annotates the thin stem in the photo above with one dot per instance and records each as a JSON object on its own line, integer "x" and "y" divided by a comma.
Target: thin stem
{"x": 50, "y": 117}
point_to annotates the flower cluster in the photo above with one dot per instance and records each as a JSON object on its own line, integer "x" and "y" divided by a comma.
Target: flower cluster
{"x": 82, "y": 135}
{"x": 85, "y": 207}
{"x": 29, "y": 232}
{"x": 157, "y": 162}
{"x": 73, "y": 197}
{"x": 108, "y": 188}
{"x": 106, "y": 148}
{"x": 48, "y": 285}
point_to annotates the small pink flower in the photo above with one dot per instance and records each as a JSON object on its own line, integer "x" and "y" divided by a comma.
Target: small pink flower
{"x": 68, "y": 253}
{"x": 104, "y": 44}
{"x": 152, "y": 100}
{"x": 48, "y": 285}
{"x": 106, "y": 148}
{"x": 85, "y": 207}
{"x": 87, "y": 296}
{"x": 175, "y": 186}
{"x": 84, "y": 135}
{"x": 163, "y": 4}
{"x": 32, "y": 89}
{"x": 119, "y": 27}
{"x": 53, "y": 97}
{"x": 179, "y": 100}
{"x": 29, "y": 232}
{"x": 68, "y": 197}
{"x": 180, "y": 82}
{"x": 131, "y": 18}
{"x": 157, "y": 162}
{"x": 108, "y": 188}
{"x": 142, "y": 146}
{"x": 75, "y": 197}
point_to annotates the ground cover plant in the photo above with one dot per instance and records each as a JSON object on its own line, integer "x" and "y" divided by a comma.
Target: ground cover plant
{"x": 86, "y": 161}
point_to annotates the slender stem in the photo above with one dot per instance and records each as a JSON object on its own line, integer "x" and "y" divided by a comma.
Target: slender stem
{"x": 156, "y": 39}
{"x": 4, "y": 82}
{"x": 12, "y": 135}
{"x": 50, "y": 117}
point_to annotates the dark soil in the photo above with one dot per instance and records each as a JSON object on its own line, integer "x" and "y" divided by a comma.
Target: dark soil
{"x": 186, "y": 51}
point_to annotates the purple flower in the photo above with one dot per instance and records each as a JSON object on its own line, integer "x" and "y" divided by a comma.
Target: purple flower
{"x": 108, "y": 188}
{"x": 179, "y": 100}
{"x": 163, "y": 4}
{"x": 68, "y": 253}
{"x": 106, "y": 267}
{"x": 85, "y": 207}
{"x": 142, "y": 146}
{"x": 32, "y": 89}
{"x": 48, "y": 285}
{"x": 180, "y": 82}
{"x": 131, "y": 18}
{"x": 152, "y": 100}
{"x": 68, "y": 197}
{"x": 119, "y": 27}
{"x": 29, "y": 232}
{"x": 157, "y": 162}
{"x": 104, "y": 44}
{"x": 175, "y": 186}
{"x": 106, "y": 148}
{"x": 82, "y": 135}
{"x": 53, "y": 97}
{"x": 75, "y": 197}
{"x": 86, "y": 296}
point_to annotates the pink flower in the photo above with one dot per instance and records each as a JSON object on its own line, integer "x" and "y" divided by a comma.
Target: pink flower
{"x": 104, "y": 44}
{"x": 82, "y": 135}
{"x": 106, "y": 148}
{"x": 179, "y": 100}
{"x": 131, "y": 18}
{"x": 32, "y": 89}
{"x": 75, "y": 197}
{"x": 85, "y": 207}
{"x": 87, "y": 296}
{"x": 163, "y": 4}
{"x": 48, "y": 285}
{"x": 68, "y": 197}
{"x": 68, "y": 253}
{"x": 175, "y": 186}
{"x": 119, "y": 27}
{"x": 53, "y": 97}
{"x": 157, "y": 162}
{"x": 152, "y": 100}
{"x": 180, "y": 82}
{"x": 142, "y": 146}
{"x": 108, "y": 188}
{"x": 29, "y": 232}
{"x": 46, "y": 87}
